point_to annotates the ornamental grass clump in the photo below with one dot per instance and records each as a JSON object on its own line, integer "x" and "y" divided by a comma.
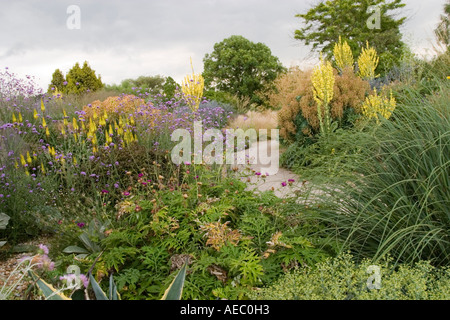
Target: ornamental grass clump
{"x": 398, "y": 201}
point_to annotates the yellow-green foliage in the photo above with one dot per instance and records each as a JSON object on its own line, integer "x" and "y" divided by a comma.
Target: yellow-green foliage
{"x": 192, "y": 88}
{"x": 368, "y": 62}
{"x": 341, "y": 279}
{"x": 376, "y": 105}
{"x": 343, "y": 55}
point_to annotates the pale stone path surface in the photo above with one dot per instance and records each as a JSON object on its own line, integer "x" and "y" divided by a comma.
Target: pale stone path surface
{"x": 261, "y": 177}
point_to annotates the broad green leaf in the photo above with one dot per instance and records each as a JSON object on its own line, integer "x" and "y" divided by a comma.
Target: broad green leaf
{"x": 113, "y": 293}
{"x": 175, "y": 290}
{"x": 99, "y": 294}
{"x": 47, "y": 289}
{"x": 88, "y": 243}
{"x": 75, "y": 249}
{"x": 4, "y": 218}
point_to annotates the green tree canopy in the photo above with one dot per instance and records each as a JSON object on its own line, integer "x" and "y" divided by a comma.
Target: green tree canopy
{"x": 80, "y": 80}
{"x": 57, "y": 81}
{"x": 328, "y": 20}
{"x": 443, "y": 29}
{"x": 241, "y": 67}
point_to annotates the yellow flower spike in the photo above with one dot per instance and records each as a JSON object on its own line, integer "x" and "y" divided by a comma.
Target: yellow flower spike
{"x": 14, "y": 119}
{"x": 102, "y": 122}
{"x": 16, "y": 165}
{"x": 20, "y": 117}
{"x": 27, "y": 173}
{"x": 343, "y": 55}
{"x": 368, "y": 62}
{"x": 192, "y": 88}
{"x": 111, "y": 132}
{"x": 94, "y": 139}
{"x": 64, "y": 113}
{"x": 323, "y": 89}
{"x": 42, "y": 106}
{"x": 63, "y": 132}
{"x": 75, "y": 124}
{"x": 132, "y": 121}
{"x": 105, "y": 114}
{"x": 35, "y": 114}
{"x": 42, "y": 168}
{"x": 94, "y": 150}
{"x": 29, "y": 158}
{"x": 44, "y": 123}
{"x": 376, "y": 105}
{"x": 83, "y": 126}
{"x": 22, "y": 160}
{"x": 75, "y": 137}
{"x": 95, "y": 115}
{"x": 74, "y": 160}
{"x": 47, "y": 132}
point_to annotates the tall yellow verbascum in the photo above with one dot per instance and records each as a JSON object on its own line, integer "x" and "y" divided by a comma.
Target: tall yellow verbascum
{"x": 192, "y": 88}
{"x": 343, "y": 55}
{"x": 376, "y": 105}
{"x": 367, "y": 63}
{"x": 323, "y": 88}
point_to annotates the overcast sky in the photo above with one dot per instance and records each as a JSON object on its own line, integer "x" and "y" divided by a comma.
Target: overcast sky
{"x": 127, "y": 39}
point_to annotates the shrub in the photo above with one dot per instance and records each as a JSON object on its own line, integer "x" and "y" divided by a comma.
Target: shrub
{"x": 349, "y": 94}
{"x": 341, "y": 279}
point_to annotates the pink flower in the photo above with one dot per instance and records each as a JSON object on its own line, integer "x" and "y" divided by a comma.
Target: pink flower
{"x": 284, "y": 184}
{"x": 43, "y": 249}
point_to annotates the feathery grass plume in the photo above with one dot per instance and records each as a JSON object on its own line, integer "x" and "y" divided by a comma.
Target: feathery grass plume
{"x": 368, "y": 62}
{"x": 375, "y": 106}
{"x": 192, "y": 88}
{"x": 323, "y": 87}
{"x": 343, "y": 55}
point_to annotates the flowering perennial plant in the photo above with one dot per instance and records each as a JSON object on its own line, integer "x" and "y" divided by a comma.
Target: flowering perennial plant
{"x": 343, "y": 55}
{"x": 192, "y": 88}
{"x": 375, "y": 106}
{"x": 323, "y": 88}
{"x": 368, "y": 62}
